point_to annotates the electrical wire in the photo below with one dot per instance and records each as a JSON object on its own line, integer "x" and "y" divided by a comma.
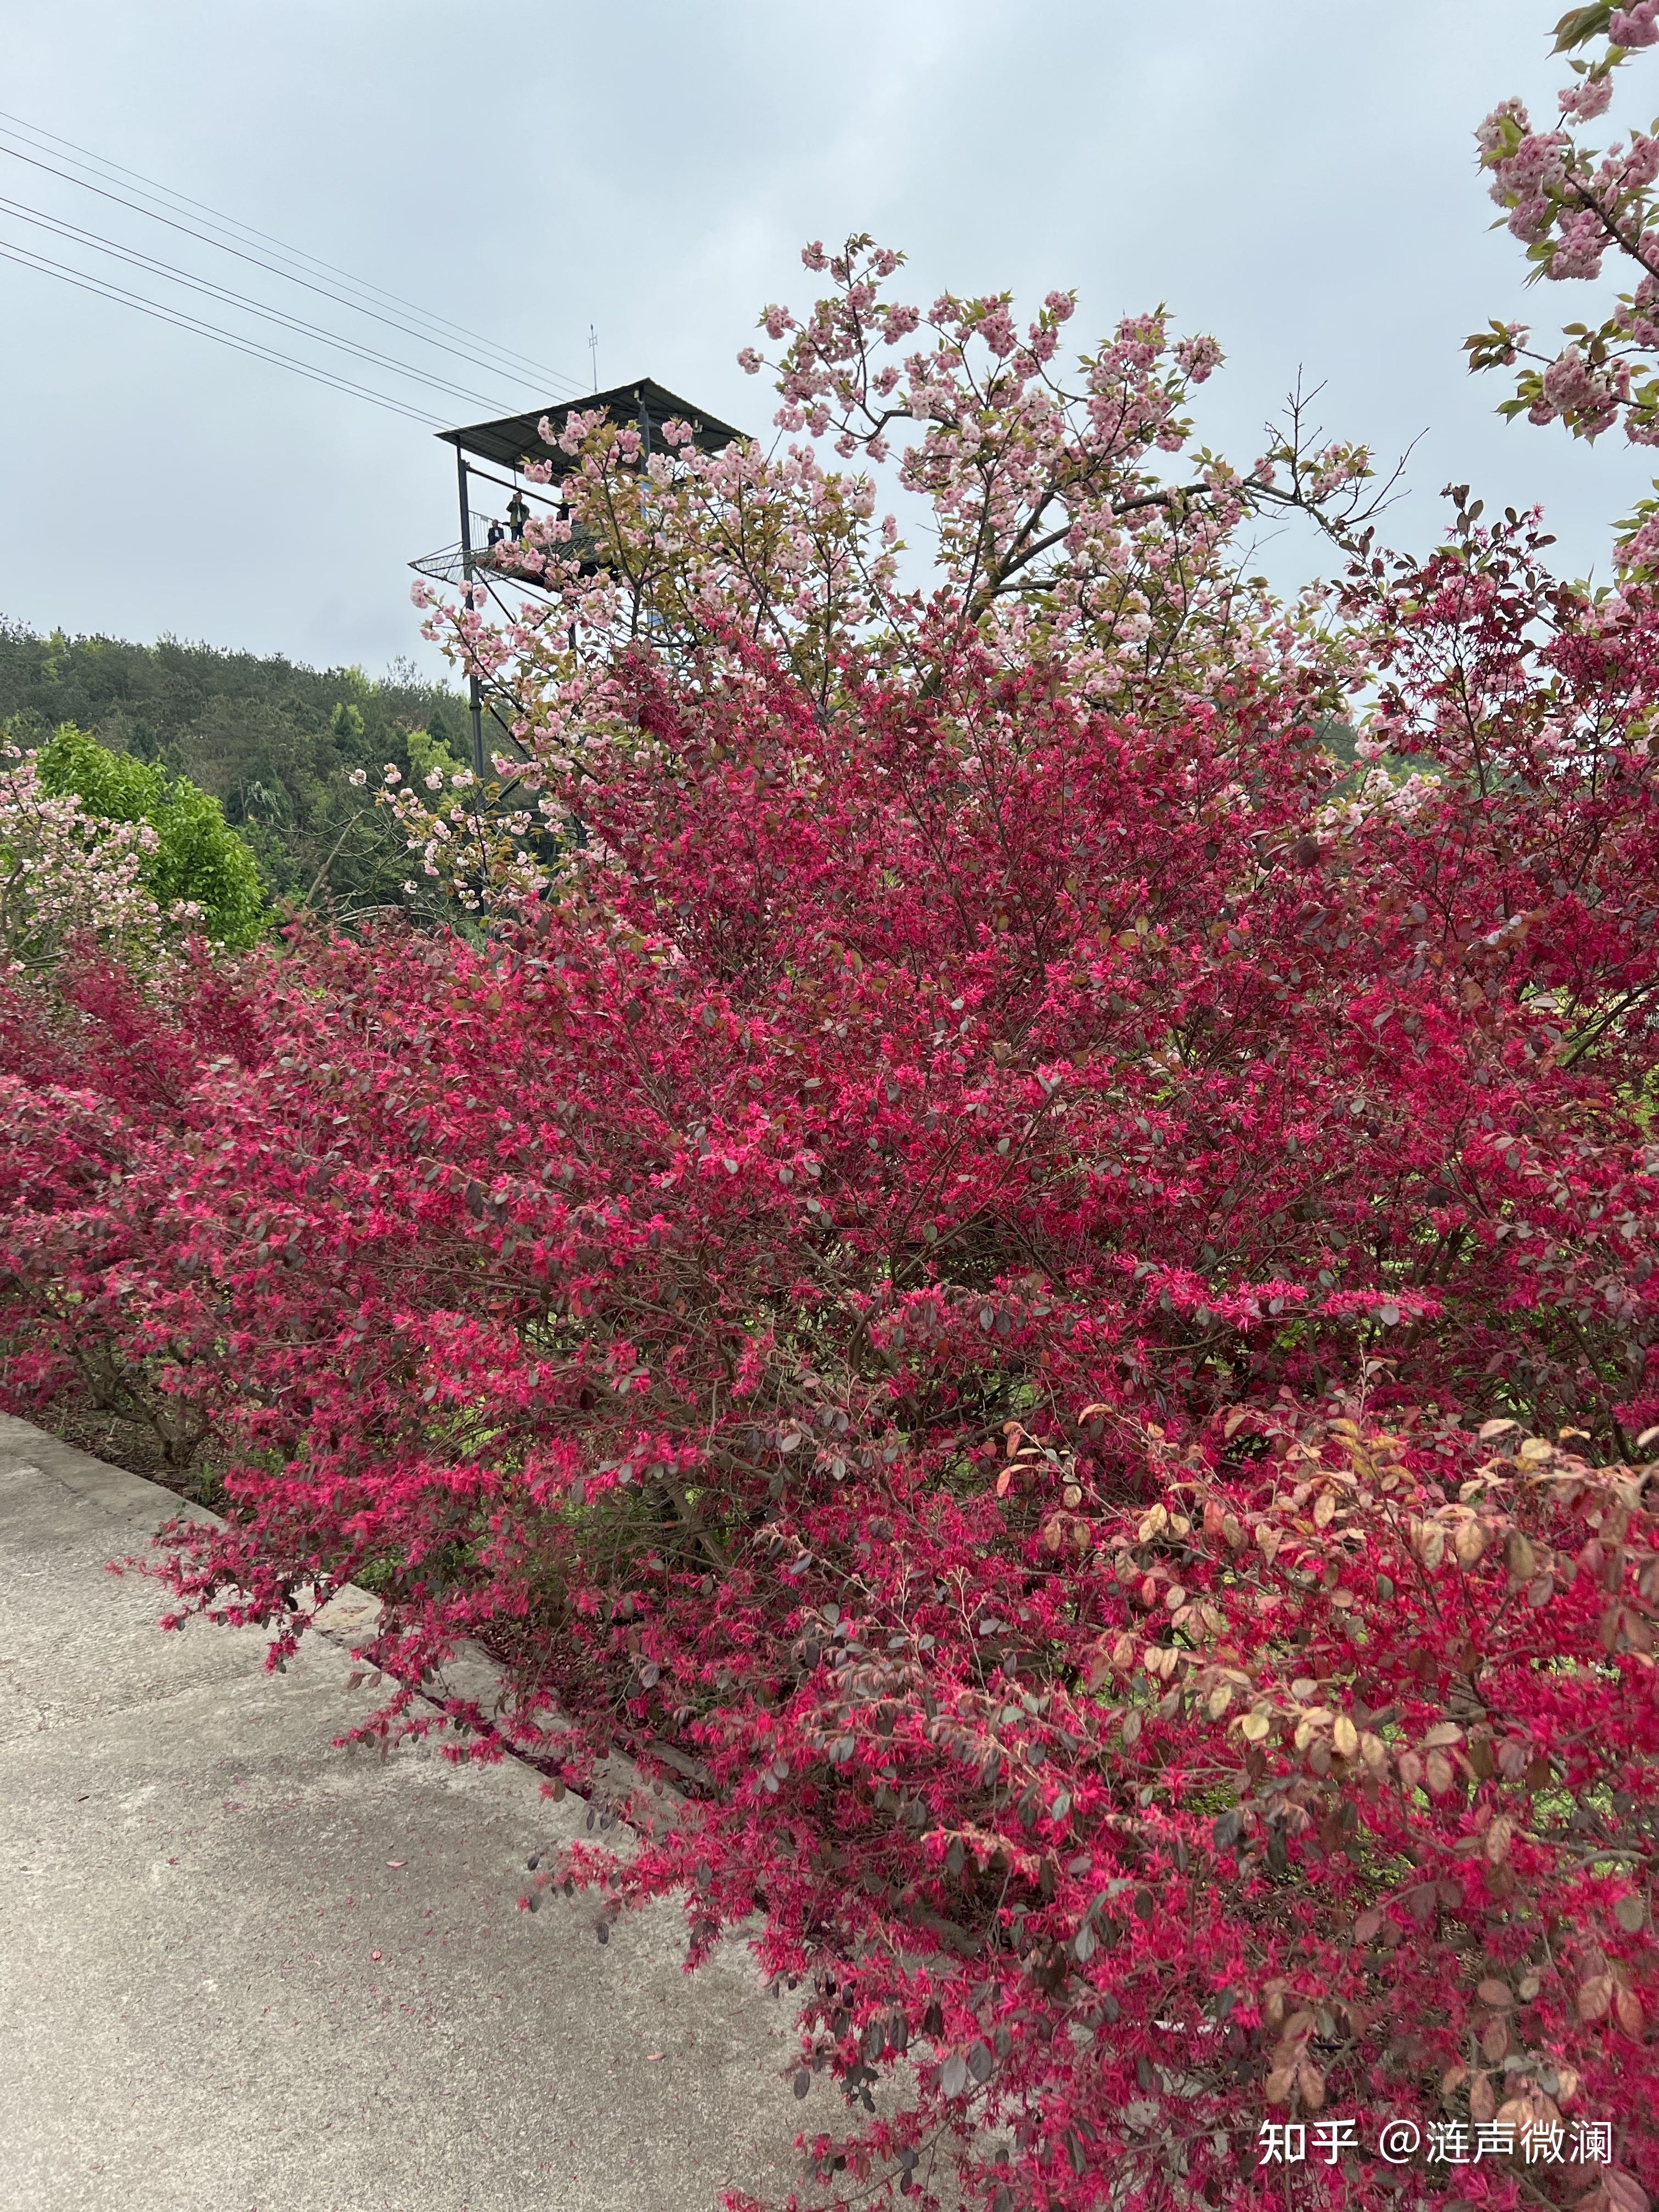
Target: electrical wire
{"x": 12, "y": 153}
{"x": 149, "y": 188}
{"x": 172, "y": 274}
{"x": 65, "y": 274}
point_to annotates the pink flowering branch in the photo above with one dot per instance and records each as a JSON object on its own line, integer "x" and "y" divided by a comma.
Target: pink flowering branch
{"x": 1570, "y": 205}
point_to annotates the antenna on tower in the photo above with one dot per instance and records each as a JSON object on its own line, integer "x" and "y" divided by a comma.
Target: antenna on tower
{"x": 594, "y": 354}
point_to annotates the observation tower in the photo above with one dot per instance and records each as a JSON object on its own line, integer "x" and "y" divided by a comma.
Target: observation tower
{"x": 495, "y": 454}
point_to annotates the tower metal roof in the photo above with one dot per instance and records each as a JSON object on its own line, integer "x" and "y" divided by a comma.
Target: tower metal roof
{"x": 517, "y": 438}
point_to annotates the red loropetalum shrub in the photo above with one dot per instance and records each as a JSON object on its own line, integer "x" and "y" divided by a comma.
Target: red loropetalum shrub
{"x": 1053, "y": 1314}
{"x": 96, "y": 1075}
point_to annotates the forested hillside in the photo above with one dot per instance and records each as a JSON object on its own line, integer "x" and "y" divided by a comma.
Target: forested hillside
{"x": 273, "y": 740}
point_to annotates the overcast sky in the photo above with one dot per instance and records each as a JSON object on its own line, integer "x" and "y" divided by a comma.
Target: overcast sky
{"x": 1296, "y": 178}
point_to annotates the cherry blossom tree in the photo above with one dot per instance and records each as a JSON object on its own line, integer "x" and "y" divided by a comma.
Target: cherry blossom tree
{"x": 1058, "y": 530}
{"x": 66, "y": 872}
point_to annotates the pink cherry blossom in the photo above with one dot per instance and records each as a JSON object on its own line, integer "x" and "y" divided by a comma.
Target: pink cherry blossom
{"x": 1635, "y": 27}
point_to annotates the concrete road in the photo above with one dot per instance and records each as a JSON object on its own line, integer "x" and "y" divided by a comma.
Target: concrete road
{"x": 242, "y": 1971}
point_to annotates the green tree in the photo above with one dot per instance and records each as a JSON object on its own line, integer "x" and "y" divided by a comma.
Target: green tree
{"x": 429, "y": 753}
{"x": 197, "y": 856}
{"x": 350, "y": 737}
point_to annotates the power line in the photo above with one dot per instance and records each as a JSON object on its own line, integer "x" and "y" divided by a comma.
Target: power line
{"x": 66, "y": 274}
{"x": 509, "y": 358}
{"x": 254, "y": 260}
{"x": 169, "y": 271}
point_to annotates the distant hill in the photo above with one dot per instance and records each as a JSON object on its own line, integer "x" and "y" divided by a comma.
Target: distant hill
{"x": 273, "y": 741}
